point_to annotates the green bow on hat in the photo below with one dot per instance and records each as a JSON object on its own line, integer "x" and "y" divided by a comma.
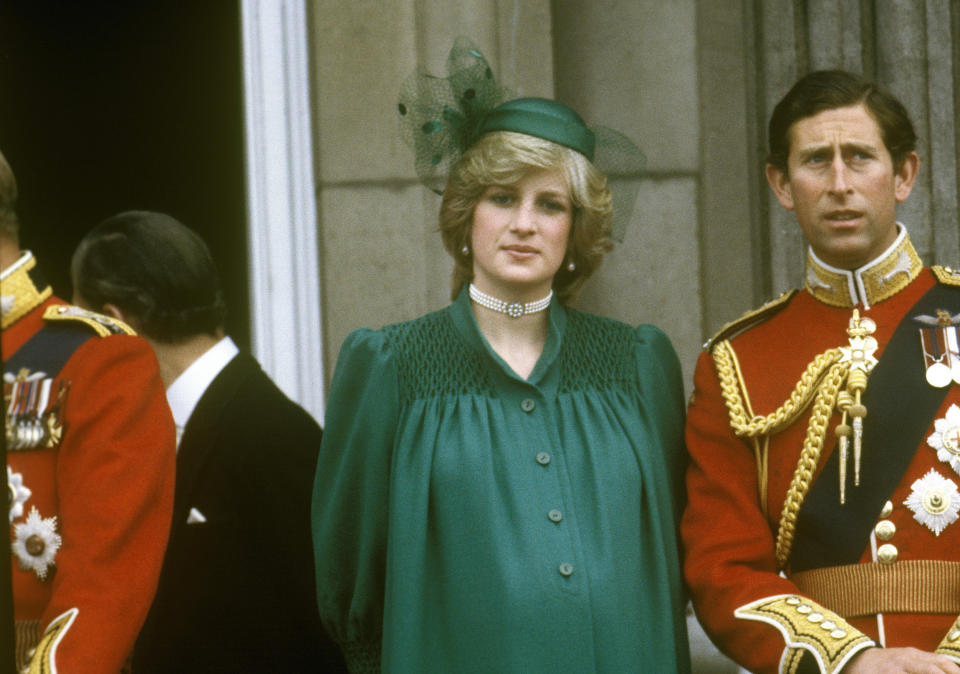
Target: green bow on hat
{"x": 441, "y": 117}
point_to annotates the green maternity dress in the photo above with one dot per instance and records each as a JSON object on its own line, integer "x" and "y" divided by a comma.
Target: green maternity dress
{"x": 467, "y": 520}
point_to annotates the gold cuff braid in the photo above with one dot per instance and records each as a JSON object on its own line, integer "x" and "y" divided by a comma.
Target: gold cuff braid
{"x": 950, "y": 646}
{"x": 807, "y": 626}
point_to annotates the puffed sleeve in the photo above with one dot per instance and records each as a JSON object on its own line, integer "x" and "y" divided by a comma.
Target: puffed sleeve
{"x": 351, "y": 492}
{"x": 115, "y": 478}
{"x": 660, "y": 374}
{"x": 663, "y": 406}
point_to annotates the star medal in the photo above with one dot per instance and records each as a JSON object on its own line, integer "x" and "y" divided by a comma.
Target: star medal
{"x": 946, "y": 438}
{"x": 36, "y": 542}
{"x": 934, "y": 501}
{"x": 941, "y": 350}
{"x": 17, "y": 494}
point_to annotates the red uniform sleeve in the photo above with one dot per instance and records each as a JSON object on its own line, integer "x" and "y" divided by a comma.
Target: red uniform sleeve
{"x": 115, "y": 478}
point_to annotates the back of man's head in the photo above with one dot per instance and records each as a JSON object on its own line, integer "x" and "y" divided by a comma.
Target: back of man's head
{"x": 155, "y": 270}
{"x": 9, "y": 225}
{"x": 831, "y": 89}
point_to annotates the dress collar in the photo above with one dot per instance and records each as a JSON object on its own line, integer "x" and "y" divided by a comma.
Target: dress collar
{"x": 462, "y": 313}
{"x": 22, "y": 289}
{"x": 872, "y": 283}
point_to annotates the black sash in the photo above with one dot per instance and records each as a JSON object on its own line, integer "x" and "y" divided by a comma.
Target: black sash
{"x": 49, "y": 349}
{"x": 900, "y": 405}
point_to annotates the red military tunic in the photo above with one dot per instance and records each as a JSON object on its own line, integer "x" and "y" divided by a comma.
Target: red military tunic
{"x": 907, "y": 573}
{"x": 90, "y": 515}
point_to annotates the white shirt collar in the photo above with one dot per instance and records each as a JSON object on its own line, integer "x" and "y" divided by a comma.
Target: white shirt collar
{"x": 185, "y": 392}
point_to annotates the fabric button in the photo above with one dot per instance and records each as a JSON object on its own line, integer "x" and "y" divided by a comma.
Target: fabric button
{"x": 566, "y": 569}
{"x": 555, "y": 515}
{"x": 528, "y": 404}
{"x": 543, "y": 459}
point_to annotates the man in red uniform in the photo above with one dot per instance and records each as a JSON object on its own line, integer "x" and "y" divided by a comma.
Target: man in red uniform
{"x": 824, "y": 430}
{"x": 90, "y": 470}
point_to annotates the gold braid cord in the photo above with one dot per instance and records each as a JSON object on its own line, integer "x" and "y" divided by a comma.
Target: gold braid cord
{"x": 820, "y": 384}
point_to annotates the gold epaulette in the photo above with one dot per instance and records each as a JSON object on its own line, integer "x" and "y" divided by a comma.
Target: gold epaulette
{"x": 751, "y": 318}
{"x": 946, "y": 275}
{"x": 102, "y": 325}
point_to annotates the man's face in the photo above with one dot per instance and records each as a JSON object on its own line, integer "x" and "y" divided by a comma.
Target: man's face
{"x": 842, "y": 185}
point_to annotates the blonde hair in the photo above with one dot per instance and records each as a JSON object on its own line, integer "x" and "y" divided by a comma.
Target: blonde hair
{"x": 504, "y": 158}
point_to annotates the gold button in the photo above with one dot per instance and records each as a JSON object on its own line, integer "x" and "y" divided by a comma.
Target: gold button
{"x": 887, "y": 509}
{"x": 887, "y": 553}
{"x": 828, "y": 625}
{"x": 804, "y": 609}
{"x": 885, "y": 530}
{"x": 838, "y": 634}
{"x": 815, "y": 617}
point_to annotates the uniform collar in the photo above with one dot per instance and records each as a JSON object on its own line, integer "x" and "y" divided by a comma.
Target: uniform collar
{"x": 872, "y": 283}
{"x": 22, "y": 289}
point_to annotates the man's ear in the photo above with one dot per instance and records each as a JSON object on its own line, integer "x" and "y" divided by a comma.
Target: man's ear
{"x": 113, "y": 311}
{"x": 903, "y": 179}
{"x": 780, "y": 184}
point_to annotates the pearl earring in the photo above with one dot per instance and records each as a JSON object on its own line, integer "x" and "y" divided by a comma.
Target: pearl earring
{"x": 571, "y": 265}
{"x": 465, "y": 250}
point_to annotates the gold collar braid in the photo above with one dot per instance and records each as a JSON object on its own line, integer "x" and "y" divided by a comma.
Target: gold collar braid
{"x": 876, "y": 281}
{"x": 19, "y": 293}
{"x": 834, "y": 379}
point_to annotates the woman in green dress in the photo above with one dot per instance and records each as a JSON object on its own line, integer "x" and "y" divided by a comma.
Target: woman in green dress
{"x": 499, "y": 482}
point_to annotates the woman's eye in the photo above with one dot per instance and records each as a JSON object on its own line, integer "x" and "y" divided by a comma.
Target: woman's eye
{"x": 501, "y": 198}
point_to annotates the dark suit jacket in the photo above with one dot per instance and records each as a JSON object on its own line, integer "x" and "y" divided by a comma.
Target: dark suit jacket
{"x": 237, "y": 592}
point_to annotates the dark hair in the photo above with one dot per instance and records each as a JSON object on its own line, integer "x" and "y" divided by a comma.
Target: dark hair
{"x": 9, "y": 224}
{"x": 830, "y": 89}
{"x": 157, "y": 271}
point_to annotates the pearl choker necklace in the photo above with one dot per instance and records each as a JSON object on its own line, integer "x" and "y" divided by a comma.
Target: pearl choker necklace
{"x": 511, "y": 309}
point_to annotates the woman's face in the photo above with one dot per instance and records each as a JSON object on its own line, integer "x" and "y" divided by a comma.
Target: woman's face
{"x": 519, "y": 235}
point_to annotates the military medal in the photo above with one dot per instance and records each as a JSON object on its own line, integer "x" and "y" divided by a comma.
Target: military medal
{"x": 36, "y": 542}
{"x": 33, "y": 411}
{"x": 934, "y": 501}
{"x": 17, "y": 494}
{"x": 941, "y": 348}
{"x": 946, "y": 438}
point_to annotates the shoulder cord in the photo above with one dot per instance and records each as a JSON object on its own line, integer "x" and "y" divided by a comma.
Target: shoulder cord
{"x": 820, "y": 383}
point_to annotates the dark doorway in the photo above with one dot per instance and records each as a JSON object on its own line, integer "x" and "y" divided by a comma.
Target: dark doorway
{"x": 129, "y": 104}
